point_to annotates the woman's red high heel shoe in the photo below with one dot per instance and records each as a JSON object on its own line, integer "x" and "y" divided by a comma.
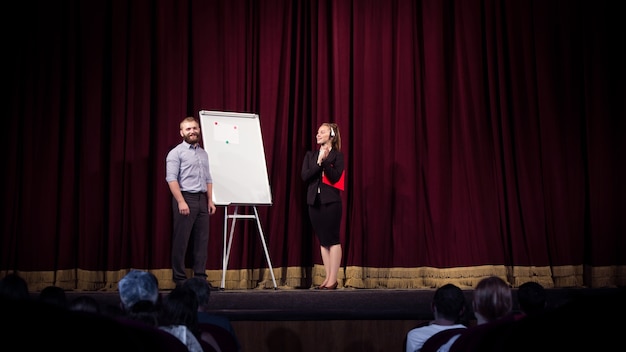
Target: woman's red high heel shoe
{"x": 331, "y": 287}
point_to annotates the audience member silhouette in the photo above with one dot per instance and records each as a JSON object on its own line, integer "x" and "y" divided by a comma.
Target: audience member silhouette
{"x": 140, "y": 297}
{"x": 53, "y": 295}
{"x": 586, "y": 322}
{"x": 14, "y": 287}
{"x": 53, "y": 327}
{"x": 448, "y": 307}
{"x": 532, "y": 298}
{"x": 179, "y": 317}
{"x": 202, "y": 289}
{"x": 144, "y": 311}
{"x": 492, "y": 302}
{"x": 138, "y": 286}
{"x": 141, "y": 304}
{"x": 85, "y": 303}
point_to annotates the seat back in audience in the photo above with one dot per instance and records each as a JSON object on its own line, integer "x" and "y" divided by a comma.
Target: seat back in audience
{"x": 481, "y": 337}
{"x": 153, "y": 338}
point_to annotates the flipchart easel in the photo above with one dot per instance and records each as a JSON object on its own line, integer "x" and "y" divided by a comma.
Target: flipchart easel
{"x": 234, "y": 143}
{"x": 227, "y": 244}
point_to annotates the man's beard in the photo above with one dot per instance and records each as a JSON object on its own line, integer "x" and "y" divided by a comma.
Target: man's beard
{"x": 192, "y": 138}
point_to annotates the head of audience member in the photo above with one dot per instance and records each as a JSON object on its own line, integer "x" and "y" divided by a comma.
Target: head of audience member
{"x": 14, "y": 287}
{"x": 85, "y": 303}
{"x": 493, "y": 299}
{"x": 532, "y": 298}
{"x": 179, "y": 316}
{"x": 53, "y": 295}
{"x": 144, "y": 311}
{"x": 180, "y": 307}
{"x": 201, "y": 288}
{"x": 448, "y": 304}
{"x": 138, "y": 286}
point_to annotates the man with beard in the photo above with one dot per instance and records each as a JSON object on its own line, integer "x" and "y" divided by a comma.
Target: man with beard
{"x": 189, "y": 178}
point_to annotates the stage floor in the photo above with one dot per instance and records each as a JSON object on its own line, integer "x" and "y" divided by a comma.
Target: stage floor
{"x": 340, "y": 304}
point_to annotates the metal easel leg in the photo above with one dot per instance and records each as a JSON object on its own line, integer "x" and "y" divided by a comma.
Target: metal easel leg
{"x": 267, "y": 255}
{"x": 226, "y": 254}
{"x": 224, "y": 257}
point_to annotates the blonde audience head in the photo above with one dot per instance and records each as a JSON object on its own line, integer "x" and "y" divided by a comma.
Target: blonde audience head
{"x": 493, "y": 299}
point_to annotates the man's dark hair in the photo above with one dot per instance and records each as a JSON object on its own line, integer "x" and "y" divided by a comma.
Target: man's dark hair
{"x": 201, "y": 288}
{"x": 531, "y": 297}
{"x": 450, "y": 302}
{"x": 180, "y": 307}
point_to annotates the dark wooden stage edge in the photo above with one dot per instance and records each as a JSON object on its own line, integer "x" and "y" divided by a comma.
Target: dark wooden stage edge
{"x": 342, "y": 304}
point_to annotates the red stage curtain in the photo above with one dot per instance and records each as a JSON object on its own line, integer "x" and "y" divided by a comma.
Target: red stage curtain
{"x": 481, "y": 137}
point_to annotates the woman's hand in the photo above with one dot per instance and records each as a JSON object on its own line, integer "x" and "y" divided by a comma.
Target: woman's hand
{"x": 322, "y": 155}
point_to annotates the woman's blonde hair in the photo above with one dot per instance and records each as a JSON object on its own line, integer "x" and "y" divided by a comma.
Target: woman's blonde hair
{"x": 335, "y": 135}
